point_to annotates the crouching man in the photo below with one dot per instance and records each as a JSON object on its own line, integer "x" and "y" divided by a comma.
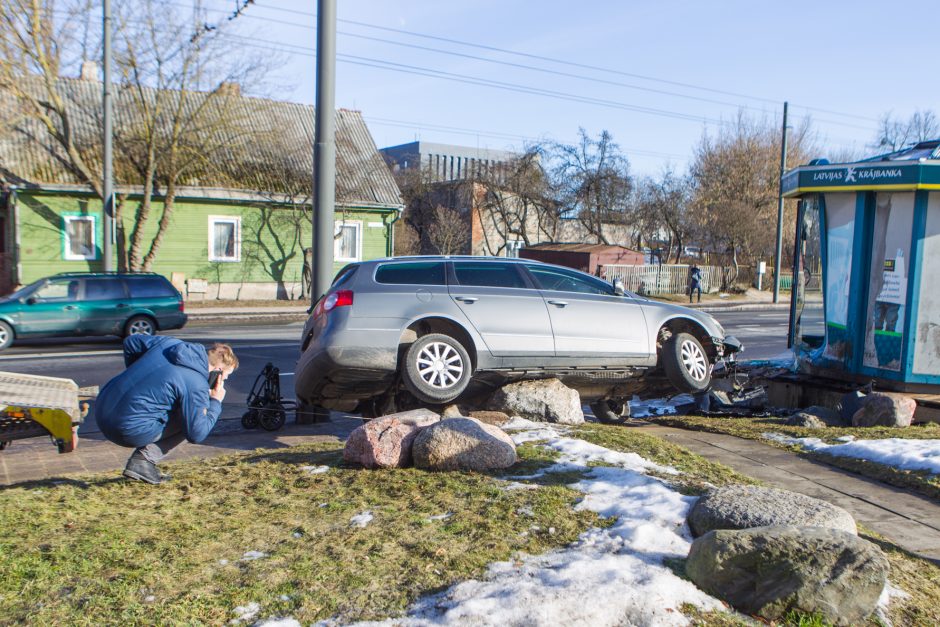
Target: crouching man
{"x": 171, "y": 391}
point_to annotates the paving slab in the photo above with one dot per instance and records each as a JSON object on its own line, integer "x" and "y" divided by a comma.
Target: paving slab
{"x": 909, "y": 520}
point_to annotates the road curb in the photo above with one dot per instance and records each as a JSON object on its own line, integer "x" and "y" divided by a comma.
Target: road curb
{"x": 220, "y": 317}
{"x": 742, "y": 307}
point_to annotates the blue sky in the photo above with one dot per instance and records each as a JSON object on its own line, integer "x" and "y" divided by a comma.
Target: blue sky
{"x": 668, "y": 70}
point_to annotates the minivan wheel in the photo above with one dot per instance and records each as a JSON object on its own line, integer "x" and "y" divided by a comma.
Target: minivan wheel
{"x": 686, "y": 363}
{"x": 140, "y": 325}
{"x": 6, "y": 335}
{"x": 437, "y": 368}
{"x": 610, "y": 411}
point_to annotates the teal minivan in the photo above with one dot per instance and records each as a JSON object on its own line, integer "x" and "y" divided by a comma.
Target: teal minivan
{"x": 88, "y": 303}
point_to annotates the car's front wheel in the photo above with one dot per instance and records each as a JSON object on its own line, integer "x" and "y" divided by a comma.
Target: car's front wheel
{"x": 140, "y": 325}
{"x": 686, "y": 364}
{"x": 437, "y": 368}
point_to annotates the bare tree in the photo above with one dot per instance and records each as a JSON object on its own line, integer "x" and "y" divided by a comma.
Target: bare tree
{"x": 735, "y": 178}
{"x": 662, "y": 206}
{"x": 894, "y": 134}
{"x": 449, "y": 233}
{"x": 592, "y": 181}
{"x": 515, "y": 204}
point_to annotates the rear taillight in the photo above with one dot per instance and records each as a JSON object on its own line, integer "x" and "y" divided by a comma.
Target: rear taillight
{"x": 339, "y": 298}
{"x": 182, "y": 307}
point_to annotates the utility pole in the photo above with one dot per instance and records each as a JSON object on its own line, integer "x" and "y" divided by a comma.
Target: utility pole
{"x": 107, "y": 207}
{"x": 783, "y": 168}
{"x": 324, "y": 151}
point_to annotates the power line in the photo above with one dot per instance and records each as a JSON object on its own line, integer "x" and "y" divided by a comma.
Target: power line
{"x": 550, "y": 60}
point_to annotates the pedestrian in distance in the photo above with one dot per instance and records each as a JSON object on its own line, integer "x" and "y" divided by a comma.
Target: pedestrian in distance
{"x": 170, "y": 391}
{"x": 695, "y": 282}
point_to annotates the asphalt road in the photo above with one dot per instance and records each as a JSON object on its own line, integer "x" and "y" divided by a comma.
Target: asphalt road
{"x": 93, "y": 361}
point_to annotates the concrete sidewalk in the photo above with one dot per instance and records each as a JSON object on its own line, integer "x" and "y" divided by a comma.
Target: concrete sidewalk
{"x": 909, "y": 520}
{"x": 36, "y": 459}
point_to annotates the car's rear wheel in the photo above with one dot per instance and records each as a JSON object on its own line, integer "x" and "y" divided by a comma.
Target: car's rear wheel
{"x": 6, "y": 335}
{"x": 140, "y": 325}
{"x": 686, "y": 363}
{"x": 611, "y": 411}
{"x": 437, "y": 368}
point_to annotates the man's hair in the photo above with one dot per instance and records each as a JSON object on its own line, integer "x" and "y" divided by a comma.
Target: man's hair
{"x": 222, "y": 355}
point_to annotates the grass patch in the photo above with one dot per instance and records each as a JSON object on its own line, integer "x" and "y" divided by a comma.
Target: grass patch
{"x": 108, "y": 551}
{"x": 104, "y": 551}
{"x": 921, "y": 482}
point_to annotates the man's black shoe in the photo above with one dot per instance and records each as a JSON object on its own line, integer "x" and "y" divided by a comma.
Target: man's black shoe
{"x": 140, "y": 469}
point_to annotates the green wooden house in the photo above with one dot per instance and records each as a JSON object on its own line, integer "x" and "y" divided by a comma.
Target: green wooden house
{"x": 240, "y": 221}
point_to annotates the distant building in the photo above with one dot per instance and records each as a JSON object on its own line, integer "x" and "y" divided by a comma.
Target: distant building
{"x": 446, "y": 162}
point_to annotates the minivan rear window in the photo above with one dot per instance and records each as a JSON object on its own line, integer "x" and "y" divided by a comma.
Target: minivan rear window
{"x": 411, "y": 273}
{"x": 151, "y": 287}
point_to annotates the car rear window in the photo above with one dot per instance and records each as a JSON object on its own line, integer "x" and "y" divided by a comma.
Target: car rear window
{"x": 104, "y": 289}
{"x": 411, "y": 273}
{"x": 488, "y": 274}
{"x": 151, "y": 287}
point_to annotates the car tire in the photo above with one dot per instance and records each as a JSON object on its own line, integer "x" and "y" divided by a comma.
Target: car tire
{"x": 6, "y": 335}
{"x": 437, "y": 368}
{"x": 140, "y": 325}
{"x": 609, "y": 411}
{"x": 686, "y": 363}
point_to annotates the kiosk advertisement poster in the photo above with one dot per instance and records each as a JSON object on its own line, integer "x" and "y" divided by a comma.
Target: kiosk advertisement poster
{"x": 891, "y": 240}
{"x": 927, "y": 342}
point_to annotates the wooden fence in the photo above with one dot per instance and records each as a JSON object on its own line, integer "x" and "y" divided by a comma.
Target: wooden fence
{"x": 655, "y": 279}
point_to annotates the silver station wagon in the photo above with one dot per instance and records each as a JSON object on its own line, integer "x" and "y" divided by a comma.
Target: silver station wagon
{"x": 401, "y": 332}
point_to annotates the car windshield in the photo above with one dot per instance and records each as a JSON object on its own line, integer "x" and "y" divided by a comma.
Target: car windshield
{"x": 23, "y": 292}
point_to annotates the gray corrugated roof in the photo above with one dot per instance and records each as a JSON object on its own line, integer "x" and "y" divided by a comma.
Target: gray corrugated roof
{"x": 265, "y": 145}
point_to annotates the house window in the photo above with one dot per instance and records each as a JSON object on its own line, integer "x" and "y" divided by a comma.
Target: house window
{"x": 347, "y": 245}
{"x": 79, "y": 234}
{"x": 225, "y": 238}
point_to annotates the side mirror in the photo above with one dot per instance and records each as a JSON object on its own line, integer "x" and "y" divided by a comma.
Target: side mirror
{"x": 618, "y": 286}
{"x": 31, "y": 300}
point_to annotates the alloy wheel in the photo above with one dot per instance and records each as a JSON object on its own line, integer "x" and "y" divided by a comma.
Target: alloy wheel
{"x": 439, "y": 365}
{"x": 694, "y": 360}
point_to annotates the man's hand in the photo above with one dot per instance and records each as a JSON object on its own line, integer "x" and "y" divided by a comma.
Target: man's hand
{"x": 218, "y": 392}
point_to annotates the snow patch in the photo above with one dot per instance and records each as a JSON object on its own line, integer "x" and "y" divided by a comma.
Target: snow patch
{"x": 361, "y": 520}
{"x": 610, "y": 576}
{"x": 888, "y": 595}
{"x": 278, "y": 622}
{"x": 315, "y": 470}
{"x": 245, "y": 613}
{"x": 251, "y": 556}
{"x": 444, "y": 516}
{"x": 896, "y": 452}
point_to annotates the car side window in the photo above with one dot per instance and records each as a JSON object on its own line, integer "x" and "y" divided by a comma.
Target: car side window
{"x": 556, "y": 279}
{"x": 104, "y": 289}
{"x": 411, "y": 273}
{"x": 151, "y": 287}
{"x": 58, "y": 290}
{"x": 488, "y": 274}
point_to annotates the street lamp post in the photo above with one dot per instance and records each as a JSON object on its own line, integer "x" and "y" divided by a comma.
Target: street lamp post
{"x": 324, "y": 151}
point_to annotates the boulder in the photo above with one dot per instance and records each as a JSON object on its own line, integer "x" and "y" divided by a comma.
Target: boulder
{"x": 545, "y": 400}
{"x": 850, "y": 404}
{"x": 386, "y": 442}
{"x": 816, "y": 417}
{"x": 769, "y": 571}
{"x": 495, "y": 418}
{"x": 885, "y": 410}
{"x": 746, "y": 506}
{"x": 463, "y": 444}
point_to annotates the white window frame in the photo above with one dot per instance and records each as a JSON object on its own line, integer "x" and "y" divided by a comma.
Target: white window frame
{"x": 357, "y": 224}
{"x": 67, "y": 240}
{"x": 237, "y": 221}
{"x": 513, "y": 246}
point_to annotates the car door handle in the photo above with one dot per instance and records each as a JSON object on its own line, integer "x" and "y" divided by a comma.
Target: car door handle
{"x": 467, "y": 299}
{"x": 122, "y": 306}
{"x": 558, "y": 303}
{"x": 68, "y": 307}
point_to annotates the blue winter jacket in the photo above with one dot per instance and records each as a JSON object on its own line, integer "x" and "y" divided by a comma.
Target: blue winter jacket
{"x": 163, "y": 376}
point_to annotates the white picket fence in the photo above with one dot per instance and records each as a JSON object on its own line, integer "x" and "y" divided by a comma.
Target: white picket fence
{"x": 658, "y": 279}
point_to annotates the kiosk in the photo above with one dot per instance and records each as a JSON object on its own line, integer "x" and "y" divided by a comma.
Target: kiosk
{"x": 865, "y": 301}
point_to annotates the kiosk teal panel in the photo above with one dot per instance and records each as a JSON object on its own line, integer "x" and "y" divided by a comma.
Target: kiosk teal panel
{"x": 840, "y": 231}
